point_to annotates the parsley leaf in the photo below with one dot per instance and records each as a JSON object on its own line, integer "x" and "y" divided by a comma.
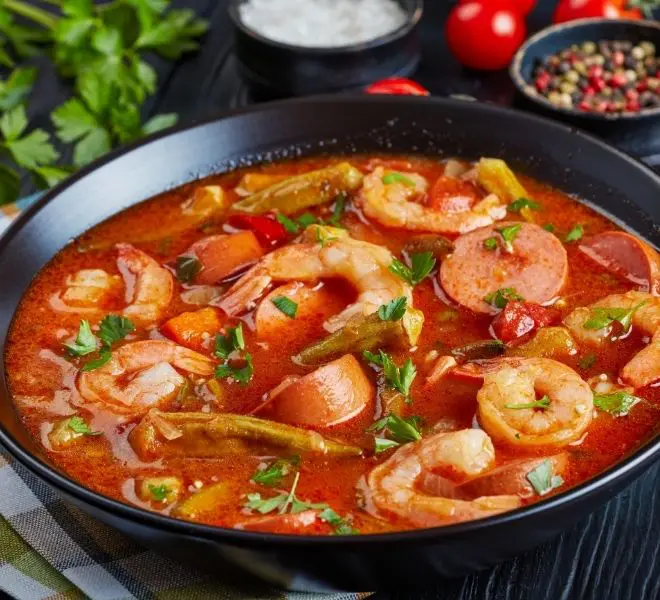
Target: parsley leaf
{"x": 85, "y": 342}
{"x": 549, "y": 227}
{"x": 233, "y": 340}
{"x": 286, "y": 305}
{"x": 509, "y": 234}
{"x": 520, "y": 203}
{"x": 617, "y": 403}
{"x": 542, "y": 479}
{"x": 160, "y": 492}
{"x": 574, "y": 234}
{"x": 264, "y": 506}
{"x": 398, "y": 378}
{"x": 338, "y": 210}
{"x": 104, "y": 356}
{"x": 114, "y": 328}
{"x": 501, "y": 297}
{"x": 421, "y": 265}
{"x": 395, "y": 177}
{"x": 339, "y": 524}
{"x": 16, "y": 87}
{"x": 79, "y": 425}
{"x": 543, "y": 403}
{"x": 242, "y": 374}
{"x": 393, "y": 310}
{"x": 273, "y": 475}
{"x": 399, "y": 430}
{"x": 604, "y": 317}
{"x": 490, "y": 243}
{"x": 384, "y": 444}
{"x": 187, "y": 268}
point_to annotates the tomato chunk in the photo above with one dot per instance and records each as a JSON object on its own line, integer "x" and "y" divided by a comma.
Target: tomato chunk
{"x": 193, "y": 329}
{"x": 266, "y": 228}
{"x": 520, "y": 318}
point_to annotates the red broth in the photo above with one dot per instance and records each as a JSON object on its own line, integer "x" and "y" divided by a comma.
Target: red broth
{"x": 43, "y": 377}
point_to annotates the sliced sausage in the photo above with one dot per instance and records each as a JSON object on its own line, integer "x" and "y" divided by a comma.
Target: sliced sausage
{"x": 625, "y": 256}
{"x": 311, "y": 301}
{"x": 330, "y": 395}
{"x": 510, "y": 478}
{"x": 536, "y": 269}
{"x": 290, "y": 523}
{"x": 222, "y": 255}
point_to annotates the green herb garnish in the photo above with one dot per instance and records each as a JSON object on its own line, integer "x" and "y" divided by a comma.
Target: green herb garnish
{"x": 617, "y": 404}
{"x": 187, "y": 268}
{"x": 543, "y": 403}
{"x": 490, "y": 243}
{"x": 114, "y": 328}
{"x": 604, "y": 317}
{"x": 399, "y": 431}
{"x": 422, "y": 264}
{"x": 393, "y": 310}
{"x": 79, "y": 425}
{"x": 509, "y": 234}
{"x": 85, "y": 342}
{"x": 517, "y": 205}
{"x": 306, "y": 220}
{"x": 574, "y": 234}
{"x": 273, "y": 475}
{"x": 232, "y": 340}
{"x": 501, "y": 297}
{"x": 398, "y": 378}
{"x": 339, "y": 524}
{"x": 242, "y": 374}
{"x": 338, "y": 210}
{"x": 286, "y": 305}
{"x": 542, "y": 479}
{"x": 290, "y": 226}
{"x": 160, "y": 492}
{"x": 587, "y": 361}
{"x": 549, "y": 227}
{"x": 395, "y": 177}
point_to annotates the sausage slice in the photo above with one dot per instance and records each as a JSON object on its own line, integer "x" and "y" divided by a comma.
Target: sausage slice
{"x": 536, "y": 269}
{"x": 626, "y": 256}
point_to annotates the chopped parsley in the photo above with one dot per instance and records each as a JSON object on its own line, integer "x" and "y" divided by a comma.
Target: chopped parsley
{"x": 114, "y": 328}
{"x": 338, "y": 210}
{"x": 160, "y": 492}
{"x": 543, "y": 403}
{"x": 286, "y": 305}
{"x": 421, "y": 263}
{"x": 501, "y": 297}
{"x": 395, "y": 177}
{"x": 393, "y": 310}
{"x": 542, "y": 479}
{"x": 85, "y": 342}
{"x": 574, "y": 234}
{"x": 339, "y": 524}
{"x": 239, "y": 368}
{"x": 273, "y": 475}
{"x": 587, "y": 361}
{"x": 399, "y": 431}
{"x": 490, "y": 243}
{"x": 187, "y": 268}
{"x": 617, "y": 404}
{"x": 509, "y": 234}
{"x": 549, "y": 227}
{"x": 105, "y": 354}
{"x": 604, "y": 317}
{"x": 398, "y": 378}
{"x": 290, "y": 226}
{"x": 79, "y": 425}
{"x": 517, "y": 205}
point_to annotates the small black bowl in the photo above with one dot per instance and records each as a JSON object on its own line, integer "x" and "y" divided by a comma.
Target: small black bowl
{"x": 638, "y": 133}
{"x": 277, "y": 70}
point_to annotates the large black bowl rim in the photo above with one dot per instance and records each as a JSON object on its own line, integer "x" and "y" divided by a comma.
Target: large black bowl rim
{"x": 412, "y": 19}
{"x": 522, "y": 85}
{"x": 637, "y": 460}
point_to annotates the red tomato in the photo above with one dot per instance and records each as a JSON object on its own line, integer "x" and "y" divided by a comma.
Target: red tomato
{"x": 569, "y": 10}
{"x": 519, "y": 318}
{"x": 267, "y": 229}
{"x": 398, "y": 86}
{"x": 524, "y": 6}
{"x": 485, "y": 34}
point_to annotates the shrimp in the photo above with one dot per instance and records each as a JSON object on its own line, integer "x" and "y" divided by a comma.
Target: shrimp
{"x": 393, "y": 485}
{"x": 140, "y": 375}
{"x": 149, "y": 286}
{"x": 324, "y": 252}
{"x": 89, "y": 287}
{"x": 390, "y": 204}
{"x": 509, "y": 411}
{"x": 644, "y": 368}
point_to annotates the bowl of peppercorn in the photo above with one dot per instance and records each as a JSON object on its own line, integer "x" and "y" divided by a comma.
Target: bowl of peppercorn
{"x": 598, "y": 74}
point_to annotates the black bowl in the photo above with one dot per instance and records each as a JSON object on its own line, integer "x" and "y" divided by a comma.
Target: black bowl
{"x": 610, "y": 181}
{"x": 625, "y": 130}
{"x": 278, "y": 70}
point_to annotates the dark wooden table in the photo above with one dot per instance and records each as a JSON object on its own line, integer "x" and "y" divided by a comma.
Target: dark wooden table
{"x": 615, "y": 553}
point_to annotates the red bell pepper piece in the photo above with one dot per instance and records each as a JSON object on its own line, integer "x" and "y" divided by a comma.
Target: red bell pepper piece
{"x": 266, "y": 228}
{"x": 399, "y": 86}
{"x": 520, "y": 318}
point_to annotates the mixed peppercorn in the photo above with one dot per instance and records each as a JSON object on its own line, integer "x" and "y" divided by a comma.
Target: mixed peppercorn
{"x": 602, "y": 77}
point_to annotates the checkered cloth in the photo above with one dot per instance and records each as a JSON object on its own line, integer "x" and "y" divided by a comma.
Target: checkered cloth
{"x": 51, "y": 550}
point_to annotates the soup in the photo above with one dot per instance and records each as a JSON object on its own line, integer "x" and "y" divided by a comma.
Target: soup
{"x": 342, "y": 346}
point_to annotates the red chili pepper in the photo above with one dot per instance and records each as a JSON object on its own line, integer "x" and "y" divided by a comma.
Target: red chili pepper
{"x": 519, "y": 318}
{"x": 266, "y": 228}
{"x": 398, "y": 86}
